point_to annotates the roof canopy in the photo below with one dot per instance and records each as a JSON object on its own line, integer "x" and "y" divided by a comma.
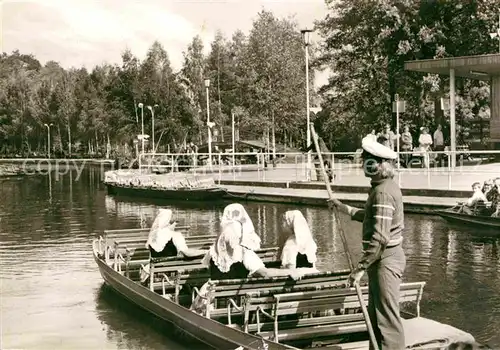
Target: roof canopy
{"x": 473, "y": 67}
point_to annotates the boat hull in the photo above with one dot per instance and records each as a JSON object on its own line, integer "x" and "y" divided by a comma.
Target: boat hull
{"x": 183, "y": 194}
{"x": 485, "y": 222}
{"x": 204, "y": 330}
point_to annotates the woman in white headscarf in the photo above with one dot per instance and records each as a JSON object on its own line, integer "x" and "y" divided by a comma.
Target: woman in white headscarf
{"x": 164, "y": 241}
{"x": 236, "y": 212}
{"x": 233, "y": 254}
{"x": 299, "y": 250}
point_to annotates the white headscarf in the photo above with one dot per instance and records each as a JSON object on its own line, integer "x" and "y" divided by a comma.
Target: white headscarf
{"x": 237, "y": 232}
{"x": 236, "y": 212}
{"x": 300, "y": 239}
{"x": 161, "y": 231}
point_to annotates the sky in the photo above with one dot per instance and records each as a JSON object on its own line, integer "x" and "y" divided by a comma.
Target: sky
{"x": 86, "y": 33}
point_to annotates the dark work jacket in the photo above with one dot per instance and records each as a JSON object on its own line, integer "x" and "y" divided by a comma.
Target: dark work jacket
{"x": 383, "y": 220}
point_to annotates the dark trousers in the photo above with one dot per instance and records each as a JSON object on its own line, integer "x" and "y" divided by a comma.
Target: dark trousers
{"x": 384, "y": 278}
{"x": 407, "y": 156}
{"x": 439, "y": 148}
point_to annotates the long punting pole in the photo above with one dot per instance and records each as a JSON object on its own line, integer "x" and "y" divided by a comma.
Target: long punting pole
{"x": 344, "y": 240}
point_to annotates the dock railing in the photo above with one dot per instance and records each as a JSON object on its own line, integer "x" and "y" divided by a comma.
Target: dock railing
{"x": 414, "y": 172}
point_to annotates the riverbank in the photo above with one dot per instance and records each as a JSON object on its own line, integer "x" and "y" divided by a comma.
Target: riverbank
{"x": 424, "y": 190}
{"x": 416, "y": 180}
{"x": 21, "y": 161}
{"x": 31, "y": 166}
{"x": 416, "y": 200}
{"x": 318, "y": 197}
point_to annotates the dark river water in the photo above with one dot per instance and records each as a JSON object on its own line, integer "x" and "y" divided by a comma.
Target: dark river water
{"x": 52, "y": 295}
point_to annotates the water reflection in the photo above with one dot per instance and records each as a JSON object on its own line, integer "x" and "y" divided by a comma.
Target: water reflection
{"x": 48, "y": 273}
{"x": 130, "y": 327}
{"x": 452, "y": 255}
{"x": 203, "y": 215}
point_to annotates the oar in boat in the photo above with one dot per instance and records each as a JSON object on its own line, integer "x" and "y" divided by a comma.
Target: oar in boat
{"x": 344, "y": 240}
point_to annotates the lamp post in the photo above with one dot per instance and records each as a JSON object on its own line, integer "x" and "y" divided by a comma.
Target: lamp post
{"x": 141, "y": 106}
{"x": 232, "y": 134}
{"x": 152, "y": 109}
{"x": 305, "y": 35}
{"x": 207, "y": 86}
{"x": 48, "y": 138}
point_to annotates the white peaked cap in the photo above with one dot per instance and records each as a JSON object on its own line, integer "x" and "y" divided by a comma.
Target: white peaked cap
{"x": 377, "y": 149}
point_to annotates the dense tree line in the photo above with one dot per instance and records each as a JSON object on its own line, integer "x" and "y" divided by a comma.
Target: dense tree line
{"x": 260, "y": 77}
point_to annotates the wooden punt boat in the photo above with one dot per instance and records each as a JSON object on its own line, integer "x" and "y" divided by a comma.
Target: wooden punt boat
{"x": 177, "y": 194}
{"x": 205, "y": 330}
{"x": 259, "y": 313}
{"x": 481, "y": 221}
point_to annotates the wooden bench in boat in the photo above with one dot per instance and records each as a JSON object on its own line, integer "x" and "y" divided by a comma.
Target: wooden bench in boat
{"x": 172, "y": 280}
{"x": 133, "y": 260}
{"x": 135, "y": 237}
{"x": 166, "y": 261}
{"x": 172, "y": 273}
{"x": 140, "y": 252}
{"x": 135, "y": 250}
{"x": 160, "y": 266}
{"x": 172, "y": 285}
{"x": 140, "y": 242}
{"x": 109, "y": 237}
{"x": 278, "y": 306}
{"x": 134, "y": 243}
{"x": 169, "y": 273}
{"x": 231, "y": 295}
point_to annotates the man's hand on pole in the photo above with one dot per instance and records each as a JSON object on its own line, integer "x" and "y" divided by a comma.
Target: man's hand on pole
{"x": 334, "y": 202}
{"x": 355, "y": 277}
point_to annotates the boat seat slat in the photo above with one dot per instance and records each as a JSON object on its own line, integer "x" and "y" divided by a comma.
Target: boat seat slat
{"x": 321, "y": 275}
{"x": 312, "y": 305}
{"x": 305, "y": 322}
{"x": 199, "y": 279}
{"x": 284, "y": 282}
{"x": 141, "y": 241}
{"x": 192, "y": 267}
{"x": 358, "y": 345}
{"x": 274, "y": 287}
{"x": 317, "y": 331}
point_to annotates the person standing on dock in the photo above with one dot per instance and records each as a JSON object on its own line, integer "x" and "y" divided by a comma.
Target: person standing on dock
{"x": 407, "y": 145}
{"x": 425, "y": 142}
{"x": 390, "y": 136}
{"x": 383, "y": 256}
{"x": 439, "y": 142}
{"x": 372, "y": 135}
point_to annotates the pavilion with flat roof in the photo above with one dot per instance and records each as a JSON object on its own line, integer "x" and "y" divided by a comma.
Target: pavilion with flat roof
{"x": 482, "y": 67}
